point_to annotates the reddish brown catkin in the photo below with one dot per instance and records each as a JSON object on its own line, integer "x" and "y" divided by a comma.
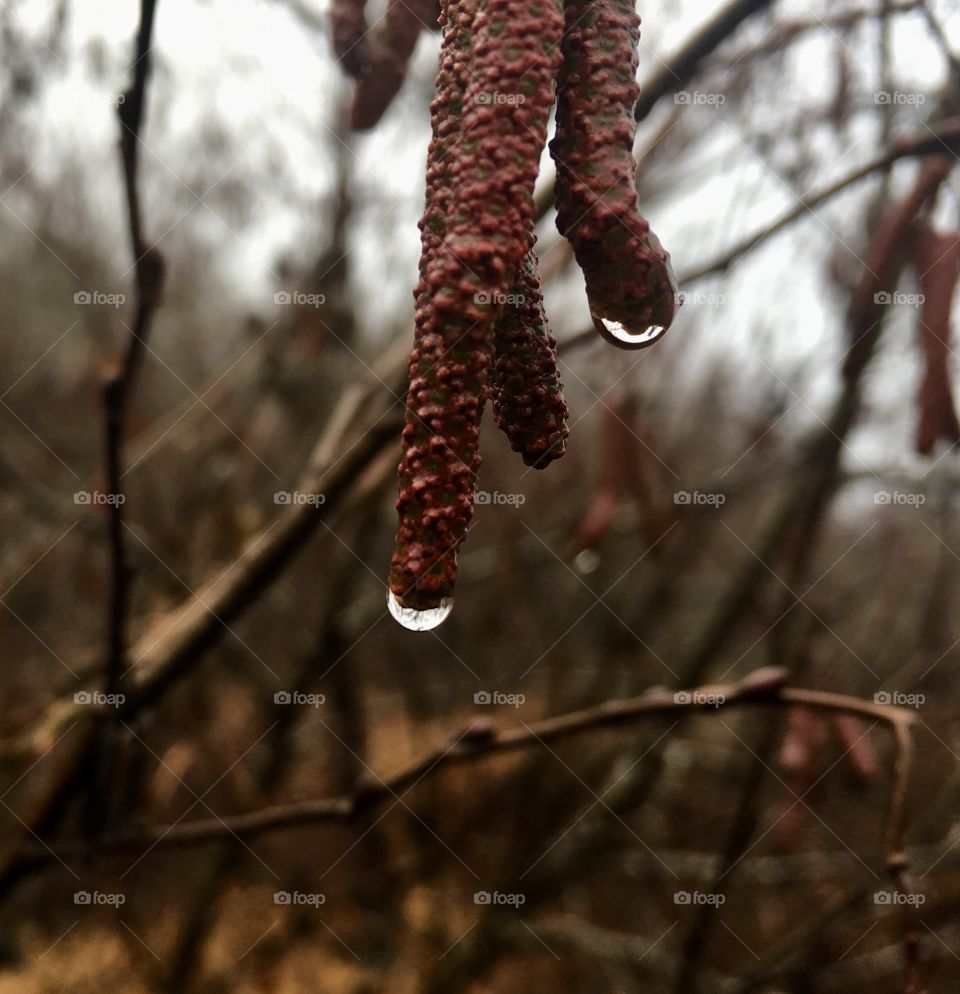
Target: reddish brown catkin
{"x": 630, "y": 283}
{"x": 527, "y": 394}
{"x": 490, "y": 174}
{"x": 390, "y": 52}
{"x": 349, "y": 34}
{"x": 938, "y": 265}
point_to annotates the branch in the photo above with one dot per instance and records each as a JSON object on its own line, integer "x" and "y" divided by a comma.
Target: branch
{"x": 676, "y": 71}
{"x": 149, "y": 270}
{"x": 481, "y": 738}
{"x": 945, "y": 137}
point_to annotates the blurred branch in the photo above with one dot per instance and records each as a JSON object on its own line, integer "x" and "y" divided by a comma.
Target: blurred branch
{"x": 936, "y": 29}
{"x": 481, "y": 739}
{"x": 944, "y": 137}
{"x": 362, "y": 426}
{"x": 678, "y": 69}
{"x": 794, "y": 535}
{"x": 149, "y": 270}
{"x": 788, "y": 31}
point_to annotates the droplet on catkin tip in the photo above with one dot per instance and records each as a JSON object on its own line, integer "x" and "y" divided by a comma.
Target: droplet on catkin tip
{"x": 622, "y": 337}
{"x": 419, "y": 621}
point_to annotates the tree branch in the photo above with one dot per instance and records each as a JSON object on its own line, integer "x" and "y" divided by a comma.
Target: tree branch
{"x": 943, "y": 138}
{"x": 481, "y": 739}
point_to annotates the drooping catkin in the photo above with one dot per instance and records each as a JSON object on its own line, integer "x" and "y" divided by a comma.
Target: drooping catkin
{"x": 390, "y": 50}
{"x": 937, "y": 258}
{"x": 350, "y": 36}
{"x": 527, "y": 394}
{"x": 487, "y": 176}
{"x": 630, "y": 283}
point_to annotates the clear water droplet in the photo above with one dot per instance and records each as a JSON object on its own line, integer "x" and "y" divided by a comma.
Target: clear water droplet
{"x": 586, "y": 561}
{"x": 619, "y": 335}
{"x": 419, "y": 621}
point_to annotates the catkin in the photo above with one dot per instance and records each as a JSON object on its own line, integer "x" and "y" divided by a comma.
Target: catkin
{"x": 628, "y": 275}
{"x": 487, "y": 177}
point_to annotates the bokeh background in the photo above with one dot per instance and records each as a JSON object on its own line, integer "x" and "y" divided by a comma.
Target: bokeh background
{"x": 743, "y": 494}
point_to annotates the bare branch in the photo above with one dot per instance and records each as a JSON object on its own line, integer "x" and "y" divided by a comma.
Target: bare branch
{"x": 481, "y": 739}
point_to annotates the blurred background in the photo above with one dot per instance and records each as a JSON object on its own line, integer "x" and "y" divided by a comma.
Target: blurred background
{"x": 774, "y": 483}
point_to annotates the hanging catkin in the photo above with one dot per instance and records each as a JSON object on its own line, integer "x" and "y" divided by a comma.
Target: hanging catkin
{"x": 390, "y": 50}
{"x": 937, "y": 257}
{"x": 527, "y": 394}
{"x": 630, "y": 283}
{"x": 349, "y": 32}
{"x": 490, "y": 168}
{"x": 480, "y": 326}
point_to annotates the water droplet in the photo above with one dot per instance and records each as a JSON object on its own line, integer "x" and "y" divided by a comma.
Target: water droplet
{"x": 618, "y": 334}
{"x": 586, "y": 561}
{"x": 419, "y": 621}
